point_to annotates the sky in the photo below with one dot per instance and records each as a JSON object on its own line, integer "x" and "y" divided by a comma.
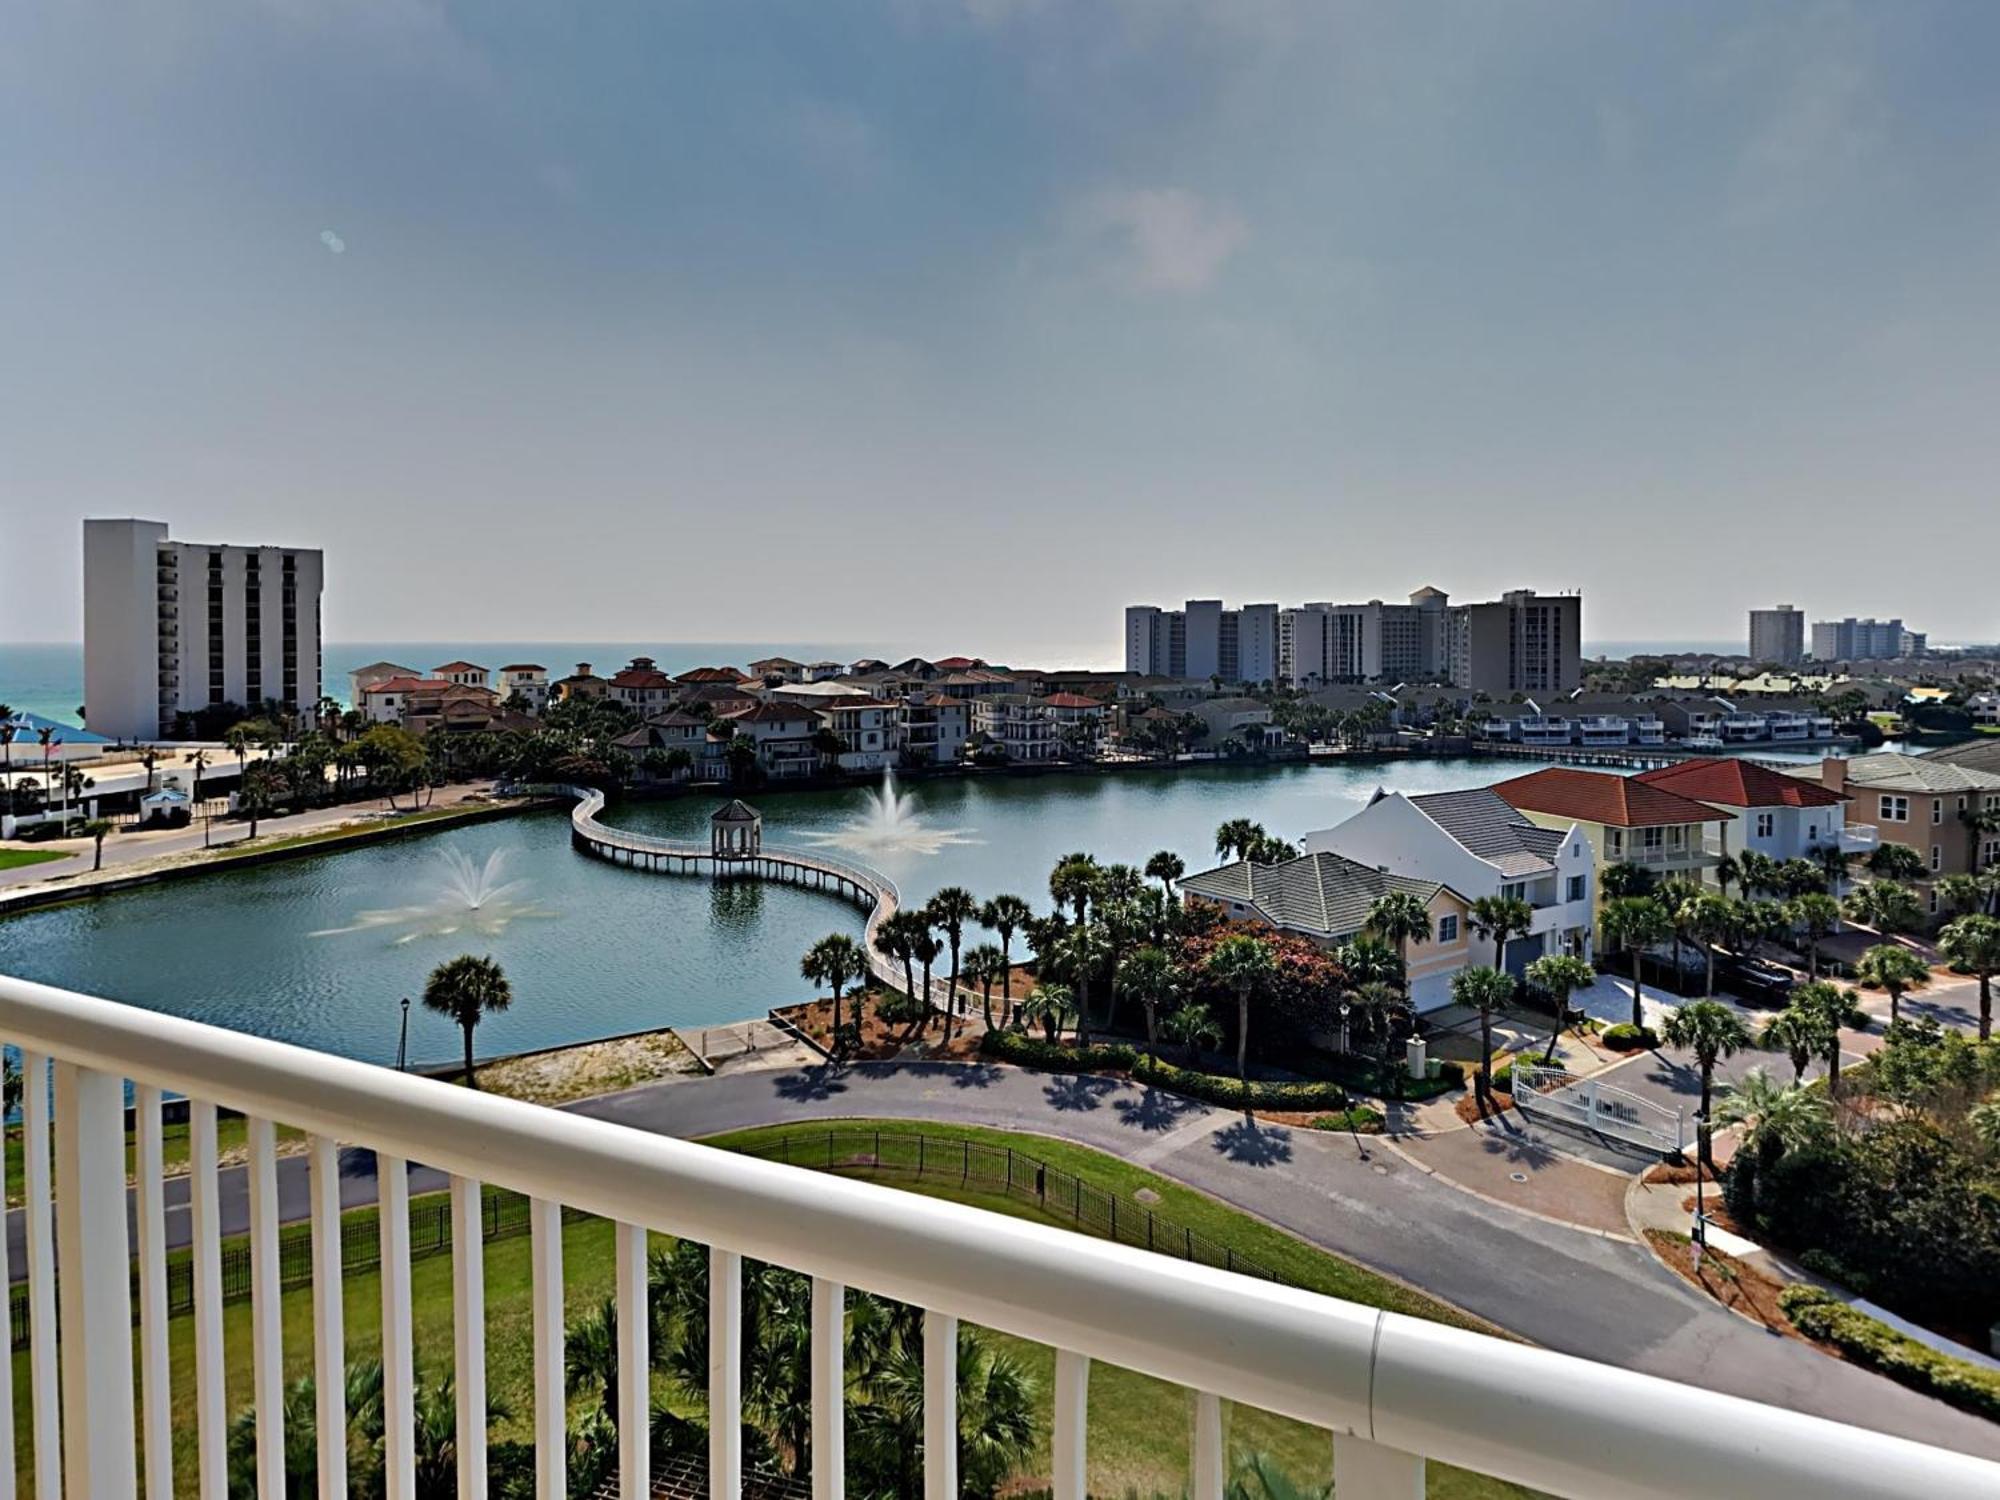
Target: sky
{"x": 967, "y": 322}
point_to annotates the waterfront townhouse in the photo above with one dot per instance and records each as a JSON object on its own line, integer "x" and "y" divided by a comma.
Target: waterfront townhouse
{"x": 1244, "y": 720}
{"x": 1016, "y": 725}
{"x": 582, "y": 683}
{"x": 785, "y": 737}
{"x": 870, "y": 731}
{"x": 643, "y": 687}
{"x": 1935, "y": 807}
{"x": 935, "y": 728}
{"x": 1625, "y": 820}
{"x": 821, "y": 671}
{"x": 1984, "y": 708}
{"x": 978, "y": 682}
{"x": 363, "y": 678}
{"x": 676, "y": 729}
{"x": 1078, "y": 720}
{"x": 1773, "y": 814}
{"x": 1478, "y": 844}
{"x": 779, "y": 669}
{"x": 1326, "y": 898}
{"x": 527, "y": 680}
{"x": 384, "y": 700}
{"x": 462, "y": 674}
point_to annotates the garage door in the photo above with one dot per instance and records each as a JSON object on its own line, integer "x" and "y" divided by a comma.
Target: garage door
{"x": 1431, "y": 992}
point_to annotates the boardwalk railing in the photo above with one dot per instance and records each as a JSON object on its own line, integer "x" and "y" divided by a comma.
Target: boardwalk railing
{"x": 1394, "y": 1392}
{"x": 788, "y": 864}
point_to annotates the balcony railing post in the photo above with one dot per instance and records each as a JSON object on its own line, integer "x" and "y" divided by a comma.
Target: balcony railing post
{"x": 551, "y": 1407}
{"x": 940, "y": 1406}
{"x": 635, "y": 1458}
{"x": 399, "y": 1387}
{"x": 155, "y": 1372}
{"x": 468, "y": 1320}
{"x": 1068, "y": 1445}
{"x": 329, "y": 1321}
{"x": 267, "y": 1327}
{"x": 210, "y": 1374}
{"x": 829, "y": 1389}
{"x": 1368, "y": 1471}
{"x": 1205, "y": 1459}
{"x": 94, "y": 1280}
{"x": 40, "y": 1221}
{"x": 725, "y": 1374}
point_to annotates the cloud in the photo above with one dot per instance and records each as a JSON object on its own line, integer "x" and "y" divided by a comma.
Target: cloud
{"x": 1164, "y": 239}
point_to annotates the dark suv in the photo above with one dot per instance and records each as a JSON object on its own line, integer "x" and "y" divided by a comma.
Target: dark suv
{"x": 1756, "y": 982}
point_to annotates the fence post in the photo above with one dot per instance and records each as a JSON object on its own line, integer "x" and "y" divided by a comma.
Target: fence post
{"x": 964, "y": 1161}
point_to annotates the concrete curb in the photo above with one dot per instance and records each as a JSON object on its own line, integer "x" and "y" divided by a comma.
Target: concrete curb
{"x": 1501, "y": 1203}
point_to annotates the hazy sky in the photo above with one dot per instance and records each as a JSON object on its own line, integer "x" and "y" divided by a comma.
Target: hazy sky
{"x": 965, "y": 322}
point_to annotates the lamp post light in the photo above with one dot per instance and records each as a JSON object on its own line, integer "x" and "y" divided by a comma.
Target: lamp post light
{"x": 1344, "y": 1009}
{"x": 403, "y": 1044}
{"x": 1700, "y": 1201}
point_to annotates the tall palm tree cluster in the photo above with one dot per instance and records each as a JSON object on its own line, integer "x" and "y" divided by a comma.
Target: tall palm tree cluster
{"x": 884, "y": 1367}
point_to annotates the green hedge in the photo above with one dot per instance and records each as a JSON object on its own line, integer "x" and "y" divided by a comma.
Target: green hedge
{"x": 1256, "y": 1093}
{"x": 1625, "y": 1037}
{"x": 1868, "y": 1341}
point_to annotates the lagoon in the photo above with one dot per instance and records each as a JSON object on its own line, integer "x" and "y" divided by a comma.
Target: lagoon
{"x": 291, "y": 950}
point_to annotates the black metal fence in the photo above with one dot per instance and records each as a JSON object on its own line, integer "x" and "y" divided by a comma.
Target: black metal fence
{"x": 1020, "y": 1175}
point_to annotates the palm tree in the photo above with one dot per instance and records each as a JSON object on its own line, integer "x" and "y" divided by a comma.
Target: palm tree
{"x": 1960, "y": 894}
{"x": 1712, "y": 1031}
{"x": 1561, "y": 975}
{"x": 1793, "y": 1116}
{"x": 1500, "y": 918}
{"x": 1152, "y": 979}
{"x": 1636, "y": 923}
{"x": 1887, "y": 907}
{"x": 949, "y": 910}
{"x": 896, "y": 940}
{"x": 1834, "y": 863}
{"x": 197, "y": 763}
{"x": 95, "y": 830}
{"x": 1166, "y": 867}
{"x": 1047, "y": 1003}
{"x": 833, "y": 961}
{"x": 1243, "y": 964}
{"x": 1972, "y": 943}
{"x": 1080, "y": 954}
{"x": 1074, "y": 880}
{"x": 1800, "y": 1033}
{"x": 1727, "y": 873}
{"x": 468, "y": 990}
{"x": 1369, "y": 960}
{"x": 1005, "y": 914}
{"x": 924, "y": 949}
{"x": 1194, "y": 1028}
{"x": 1828, "y": 1007}
{"x": 1235, "y": 838}
{"x": 1402, "y": 918}
{"x": 1979, "y": 821}
{"x": 1892, "y": 967}
{"x": 1485, "y": 990}
{"x": 1895, "y": 862}
{"x": 1710, "y": 918}
{"x": 1627, "y": 879}
{"x": 1815, "y": 914}
{"x": 986, "y": 966}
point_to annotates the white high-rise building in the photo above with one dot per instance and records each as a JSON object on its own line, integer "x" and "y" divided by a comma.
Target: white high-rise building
{"x": 175, "y": 627}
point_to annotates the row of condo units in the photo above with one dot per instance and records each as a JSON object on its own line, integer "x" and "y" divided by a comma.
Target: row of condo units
{"x": 1547, "y": 838}
{"x": 1599, "y": 721}
{"x": 1523, "y": 642}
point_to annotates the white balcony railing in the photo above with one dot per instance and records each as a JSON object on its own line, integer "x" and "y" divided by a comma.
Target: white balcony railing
{"x": 1392, "y": 1390}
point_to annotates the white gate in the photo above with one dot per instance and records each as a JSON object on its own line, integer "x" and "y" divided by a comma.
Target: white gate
{"x": 1600, "y": 1107}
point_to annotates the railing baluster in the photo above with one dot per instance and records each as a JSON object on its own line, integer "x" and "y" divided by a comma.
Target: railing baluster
{"x": 551, "y": 1397}
{"x": 399, "y": 1380}
{"x": 1205, "y": 1459}
{"x": 210, "y": 1373}
{"x": 155, "y": 1370}
{"x": 468, "y": 1316}
{"x": 725, "y": 1374}
{"x": 829, "y": 1389}
{"x": 7, "y": 1455}
{"x": 1368, "y": 1471}
{"x": 94, "y": 1281}
{"x": 329, "y": 1321}
{"x": 940, "y": 1406}
{"x": 267, "y": 1327}
{"x": 635, "y": 1459}
{"x": 1067, "y": 1444}
{"x": 45, "y": 1417}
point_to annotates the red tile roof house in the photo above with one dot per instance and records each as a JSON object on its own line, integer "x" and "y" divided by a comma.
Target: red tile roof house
{"x": 784, "y": 735}
{"x": 464, "y": 673}
{"x": 386, "y": 701}
{"x": 724, "y": 676}
{"x": 1784, "y": 817}
{"x": 1626, "y": 820}
{"x": 643, "y": 686}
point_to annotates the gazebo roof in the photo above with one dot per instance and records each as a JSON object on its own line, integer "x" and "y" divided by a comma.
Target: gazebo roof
{"x": 736, "y": 811}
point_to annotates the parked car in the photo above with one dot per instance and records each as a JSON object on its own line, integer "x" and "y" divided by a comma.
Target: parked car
{"x": 1757, "y": 982}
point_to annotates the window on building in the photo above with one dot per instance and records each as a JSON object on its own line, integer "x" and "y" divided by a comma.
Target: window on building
{"x": 1894, "y": 809}
{"x": 1514, "y": 891}
{"x": 1577, "y": 888}
{"x": 1937, "y": 809}
{"x": 1767, "y": 824}
{"x": 1448, "y": 929}
{"x": 1937, "y": 856}
{"x": 1652, "y": 838}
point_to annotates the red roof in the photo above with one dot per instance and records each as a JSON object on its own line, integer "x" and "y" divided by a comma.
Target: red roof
{"x": 771, "y": 713}
{"x": 524, "y": 666}
{"x": 712, "y": 674}
{"x": 407, "y": 685}
{"x": 457, "y": 666}
{"x": 1599, "y": 797}
{"x": 1739, "y": 783}
{"x": 641, "y": 677}
{"x": 1071, "y": 700}
{"x": 957, "y": 663}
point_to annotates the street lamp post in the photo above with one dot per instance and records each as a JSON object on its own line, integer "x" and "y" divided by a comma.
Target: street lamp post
{"x": 1700, "y": 1201}
{"x": 403, "y": 1043}
{"x": 1344, "y": 1009}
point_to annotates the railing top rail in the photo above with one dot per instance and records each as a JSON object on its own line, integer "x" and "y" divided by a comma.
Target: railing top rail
{"x": 1589, "y": 1430}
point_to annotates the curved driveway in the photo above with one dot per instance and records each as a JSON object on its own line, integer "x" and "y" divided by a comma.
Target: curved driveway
{"x": 1563, "y": 1288}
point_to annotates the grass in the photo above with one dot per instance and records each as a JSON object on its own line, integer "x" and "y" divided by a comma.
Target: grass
{"x": 231, "y": 1143}
{"x": 1139, "y": 1426}
{"x": 15, "y": 859}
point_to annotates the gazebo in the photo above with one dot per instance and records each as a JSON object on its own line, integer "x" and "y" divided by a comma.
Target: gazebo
{"x": 735, "y": 831}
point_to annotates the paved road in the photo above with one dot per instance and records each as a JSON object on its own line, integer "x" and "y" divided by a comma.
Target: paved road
{"x": 1565, "y": 1289}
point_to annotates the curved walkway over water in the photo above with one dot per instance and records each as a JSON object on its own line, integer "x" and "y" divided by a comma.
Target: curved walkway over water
{"x": 784, "y": 863}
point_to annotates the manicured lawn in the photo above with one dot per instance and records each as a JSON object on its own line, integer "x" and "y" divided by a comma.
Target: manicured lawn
{"x": 14, "y": 859}
{"x": 231, "y": 1139}
{"x": 1139, "y": 1427}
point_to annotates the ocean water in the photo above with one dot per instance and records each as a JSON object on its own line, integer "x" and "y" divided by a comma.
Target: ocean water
{"x": 47, "y": 679}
